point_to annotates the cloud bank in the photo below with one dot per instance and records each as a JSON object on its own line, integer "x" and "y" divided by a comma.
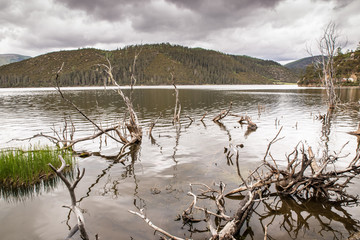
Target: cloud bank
{"x": 269, "y": 29}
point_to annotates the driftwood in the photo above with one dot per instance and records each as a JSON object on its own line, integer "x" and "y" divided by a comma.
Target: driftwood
{"x": 190, "y": 118}
{"x": 222, "y": 114}
{"x": 156, "y": 228}
{"x": 251, "y": 125}
{"x": 203, "y": 116}
{"x": 232, "y": 224}
{"x": 74, "y": 208}
{"x": 304, "y": 175}
{"x": 177, "y": 108}
{"x": 357, "y": 132}
{"x": 152, "y": 125}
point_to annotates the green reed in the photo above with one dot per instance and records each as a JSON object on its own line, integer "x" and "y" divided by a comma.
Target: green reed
{"x": 20, "y": 167}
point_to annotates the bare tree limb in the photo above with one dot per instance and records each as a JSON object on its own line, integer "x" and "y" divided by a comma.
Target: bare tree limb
{"x": 71, "y": 189}
{"x": 156, "y": 228}
{"x": 223, "y": 114}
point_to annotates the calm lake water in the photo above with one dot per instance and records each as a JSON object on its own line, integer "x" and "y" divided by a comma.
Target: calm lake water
{"x": 175, "y": 157}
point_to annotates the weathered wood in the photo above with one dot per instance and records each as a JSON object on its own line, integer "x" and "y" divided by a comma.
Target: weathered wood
{"x": 156, "y": 228}
{"x": 177, "y": 108}
{"x": 251, "y": 125}
{"x": 71, "y": 188}
{"x": 357, "y": 132}
{"x": 222, "y": 114}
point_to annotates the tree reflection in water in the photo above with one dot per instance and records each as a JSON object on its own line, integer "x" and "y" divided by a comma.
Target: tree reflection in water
{"x": 297, "y": 216}
{"x": 111, "y": 186}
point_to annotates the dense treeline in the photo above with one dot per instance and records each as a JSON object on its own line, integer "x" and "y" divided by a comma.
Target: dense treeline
{"x": 154, "y": 67}
{"x": 347, "y": 70}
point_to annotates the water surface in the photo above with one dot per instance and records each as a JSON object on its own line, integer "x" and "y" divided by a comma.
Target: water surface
{"x": 174, "y": 157}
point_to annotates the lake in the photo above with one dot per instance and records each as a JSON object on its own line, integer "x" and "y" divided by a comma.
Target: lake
{"x": 156, "y": 176}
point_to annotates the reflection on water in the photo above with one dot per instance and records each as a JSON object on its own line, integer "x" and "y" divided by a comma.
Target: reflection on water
{"x": 296, "y": 217}
{"x": 174, "y": 156}
{"x": 23, "y": 193}
{"x": 29, "y": 192}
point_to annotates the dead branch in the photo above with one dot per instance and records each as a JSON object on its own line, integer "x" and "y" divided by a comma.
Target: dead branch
{"x": 69, "y": 143}
{"x": 177, "y": 108}
{"x": 152, "y": 125}
{"x": 304, "y": 177}
{"x": 233, "y": 224}
{"x": 222, "y": 114}
{"x": 251, "y": 125}
{"x": 156, "y": 228}
{"x": 233, "y": 227}
{"x": 71, "y": 188}
{"x": 76, "y": 108}
{"x": 190, "y": 118}
{"x": 203, "y": 116}
{"x": 357, "y": 132}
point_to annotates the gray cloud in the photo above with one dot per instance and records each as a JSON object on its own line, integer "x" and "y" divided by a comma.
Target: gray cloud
{"x": 271, "y": 29}
{"x": 110, "y": 10}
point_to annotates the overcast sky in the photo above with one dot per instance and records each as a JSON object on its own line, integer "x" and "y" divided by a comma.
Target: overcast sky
{"x": 278, "y": 30}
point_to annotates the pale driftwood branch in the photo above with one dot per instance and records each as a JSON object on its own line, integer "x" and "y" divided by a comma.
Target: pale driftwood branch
{"x": 272, "y": 142}
{"x": 251, "y": 125}
{"x": 71, "y": 188}
{"x": 233, "y": 227}
{"x": 177, "y": 108}
{"x": 357, "y": 132}
{"x": 211, "y": 227}
{"x": 203, "y": 116}
{"x": 68, "y": 143}
{"x": 152, "y": 125}
{"x": 156, "y": 228}
{"x": 223, "y": 114}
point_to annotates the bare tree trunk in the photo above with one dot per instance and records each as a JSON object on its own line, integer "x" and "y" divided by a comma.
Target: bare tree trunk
{"x": 327, "y": 46}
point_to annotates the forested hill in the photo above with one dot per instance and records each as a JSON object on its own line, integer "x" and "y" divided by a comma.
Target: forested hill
{"x": 346, "y": 66}
{"x": 153, "y": 67}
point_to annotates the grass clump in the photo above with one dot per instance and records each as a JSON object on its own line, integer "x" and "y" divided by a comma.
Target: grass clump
{"x": 20, "y": 167}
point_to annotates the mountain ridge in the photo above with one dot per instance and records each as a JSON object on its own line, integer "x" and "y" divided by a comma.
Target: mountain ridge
{"x": 8, "y": 58}
{"x": 154, "y": 66}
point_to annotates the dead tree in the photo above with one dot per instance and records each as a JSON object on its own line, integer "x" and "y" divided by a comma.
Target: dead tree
{"x": 132, "y": 126}
{"x": 327, "y": 45}
{"x": 80, "y": 226}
